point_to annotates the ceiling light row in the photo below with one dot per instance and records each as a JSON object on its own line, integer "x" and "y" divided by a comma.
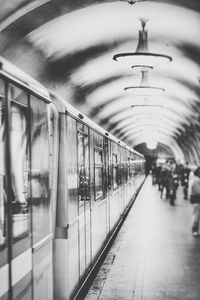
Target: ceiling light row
{"x": 143, "y": 60}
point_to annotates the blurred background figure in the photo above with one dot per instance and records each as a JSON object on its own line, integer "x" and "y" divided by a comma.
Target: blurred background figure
{"x": 185, "y": 180}
{"x": 194, "y": 195}
{"x": 173, "y": 185}
{"x": 153, "y": 172}
{"x": 158, "y": 170}
{"x": 164, "y": 180}
{"x": 173, "y": 181}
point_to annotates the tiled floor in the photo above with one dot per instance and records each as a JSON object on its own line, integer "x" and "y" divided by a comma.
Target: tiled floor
{"x": 155, "y": 256}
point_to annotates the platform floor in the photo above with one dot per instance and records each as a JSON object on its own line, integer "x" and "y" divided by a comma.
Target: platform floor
{"x": 154, "y": 256}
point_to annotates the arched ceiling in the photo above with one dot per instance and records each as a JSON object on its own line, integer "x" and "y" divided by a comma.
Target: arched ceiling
{"x": 69, "y": 46}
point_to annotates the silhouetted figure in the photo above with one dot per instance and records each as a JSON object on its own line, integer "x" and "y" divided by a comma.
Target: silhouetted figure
{"x": 194, "y": 194}
{"x": 185, "y": 180}
{"x": 165, "y": 173}
{"x": 158, "y": 176}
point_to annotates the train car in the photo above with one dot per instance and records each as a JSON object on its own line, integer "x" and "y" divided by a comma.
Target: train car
{"x": 98, "y": 176}
{"x": 27, "y": 163}
{"x": 65, "y": 184}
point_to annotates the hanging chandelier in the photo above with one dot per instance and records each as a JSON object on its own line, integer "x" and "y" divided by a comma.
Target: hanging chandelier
{"x": 142, "y": 58}
{"x": 144, "y": 89}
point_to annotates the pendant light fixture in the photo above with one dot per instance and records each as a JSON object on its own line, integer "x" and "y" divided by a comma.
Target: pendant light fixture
{"x": 144, "y": 89}
{"x": 142, "y": 58}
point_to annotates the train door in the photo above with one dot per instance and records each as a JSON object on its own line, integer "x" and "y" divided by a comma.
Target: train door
{"x": 84, "y": 197}
{"x": 4, "y": 251}
{"x": 107, "y": 180}
{"x": 40, "y": 185}
{"x": 122, "y": 178}
{"x": 19, "y": 196}
{"x": 25, "y": 215}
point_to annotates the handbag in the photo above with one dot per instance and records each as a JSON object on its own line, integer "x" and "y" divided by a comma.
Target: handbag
{"x": 195, "y": 199}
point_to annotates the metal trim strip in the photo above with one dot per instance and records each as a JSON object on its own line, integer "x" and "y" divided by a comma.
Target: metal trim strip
{"x": 42, "y": 242}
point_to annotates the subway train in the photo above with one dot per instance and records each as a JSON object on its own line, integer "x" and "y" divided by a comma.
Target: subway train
{"x": 65, "y": 184}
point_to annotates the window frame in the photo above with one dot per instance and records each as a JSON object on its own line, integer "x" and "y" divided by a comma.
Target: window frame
{"x": 98, "y": 166}
{"x": 115, "y": 164}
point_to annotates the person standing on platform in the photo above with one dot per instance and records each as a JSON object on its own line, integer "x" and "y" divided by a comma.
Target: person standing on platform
{"x": 185, "y": 180}
{"x": 164, "y": 180}
{"x": 158, "y": 176}
{"x": 173, "y": 185}
{"x": 194, "y": 194}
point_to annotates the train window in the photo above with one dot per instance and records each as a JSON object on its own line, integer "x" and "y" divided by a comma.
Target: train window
{"x": 106, "y": 177}
{"x": 40, "y": 170}
{"x": 123, "y": 167}
{"x": 132, "y": 168}
{"x": 128, "y": 166}
{"x": 81, "y": 170}
{"x": 115, "y": 175}
{"x": 98, "y": 156}
{"x": 109, "y": 165}
{"x": 80, "y": 127}
{"x": 99, "y": 140}
{"x": 71, "y": 169}
{"x": 3, "y": 196}
{"x": 87, "y": 167}
{"x": 19, "y": 169}
{"x": 114, "y": 159}
{"x": 83, "y": 165}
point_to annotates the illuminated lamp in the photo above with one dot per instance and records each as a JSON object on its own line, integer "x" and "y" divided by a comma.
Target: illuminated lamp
{"x": 151, "y": 145}
{"x": 142, "y": 58}
{"x": 144, "y": 89}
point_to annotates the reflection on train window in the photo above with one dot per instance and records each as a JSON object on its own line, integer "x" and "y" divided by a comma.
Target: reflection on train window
{"x": 87, "y": 168}
{"x": 19, "y": 169}
{"x": 134, "y": 168}
{"x": 128, "y": 166}
{"x": 81, "y": 167}
{"x": 109, "y": 166}
{"x": 115, "y": 179}
{"x": 131, "y": 168}
{"x": 98, "y": 173}
{"x": 40, "y": 171}
{"x": 3, "y": 197}
{"x": 98, "y": 140}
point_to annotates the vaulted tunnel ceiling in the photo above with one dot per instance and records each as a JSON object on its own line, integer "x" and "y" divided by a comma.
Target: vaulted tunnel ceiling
{"x": 69, "y": 47}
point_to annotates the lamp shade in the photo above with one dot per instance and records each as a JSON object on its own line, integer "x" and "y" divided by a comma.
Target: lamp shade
{"x": 142, "y": 58}
{"x": 144, "y": 89}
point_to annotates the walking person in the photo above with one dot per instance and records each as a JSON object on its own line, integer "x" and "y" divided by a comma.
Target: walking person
{"x": 163, "y": 180}
{"x": 185, "y": 180}
{"x": 194, "y": 193}
{"x": 173, "y": 185}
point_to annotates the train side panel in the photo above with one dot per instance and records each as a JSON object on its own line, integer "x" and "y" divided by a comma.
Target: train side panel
{"x": 26, "y": 231}
{"x": 99, "y": 199}
{"x": 97, "y": 179}
{"x": 78, "y": 208}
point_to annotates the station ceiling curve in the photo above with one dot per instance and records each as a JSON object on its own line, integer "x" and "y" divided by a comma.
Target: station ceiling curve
{"x": 69, "y": 47}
